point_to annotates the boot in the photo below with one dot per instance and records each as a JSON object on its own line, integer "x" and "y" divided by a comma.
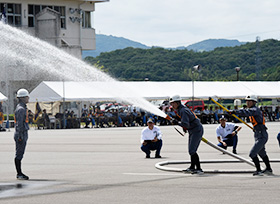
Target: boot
{"x": 198, "y": 169}
{"x": 191, "y": 169}
{"x": 258, "y": 167}
{"x": 196, "y": 161}
{"x": 268, "y": 169}
{"x": 20, "y": 175}
{"x": 18, "y": 166}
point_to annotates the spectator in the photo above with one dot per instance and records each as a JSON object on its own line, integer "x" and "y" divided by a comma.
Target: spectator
{"x": 220, "y": 112}
{"x": 46, "y": 119}
{"x": 136, "y": 117}
{"x": 30, "y": 117}
{"x": 91, "y": 118}
{"x": 277, "y": 112}
{"x": 85, "y": 109}
{"x": 124, "y": 118}
{"x": 198, "y": 111}
{"x": 101, "y": 118}
{"x": 211, "y": 114}
{"x": 75, "y": 123}
{"x": 228, "y": 117}
{"x": 108, "y": 117}
{"x": 267, "y": 113}
{"x": 143, "y": 117}
{"x": 85, "y": 119}
{"x": 216, "y": 114}
{"x": 205, "y": 116}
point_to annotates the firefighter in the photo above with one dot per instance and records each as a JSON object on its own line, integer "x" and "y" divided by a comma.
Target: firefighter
{"x": 190, "y": 123}
{"x": 260, "y": 134}
{"x": 21, "y": 130}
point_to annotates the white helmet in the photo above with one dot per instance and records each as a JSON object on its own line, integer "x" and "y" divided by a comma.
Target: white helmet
{"x": 22, "y": 93}
{"x": 175, "y": 98}
{"x": 251, "y": 98}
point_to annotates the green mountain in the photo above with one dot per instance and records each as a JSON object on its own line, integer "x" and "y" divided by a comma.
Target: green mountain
{"x": 211, "y": 44}
{"x": 159, "y": 64}
{"x": 107, "y": 43}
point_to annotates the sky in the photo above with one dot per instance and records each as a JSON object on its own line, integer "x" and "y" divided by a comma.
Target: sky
{"x": 174, "y": 23}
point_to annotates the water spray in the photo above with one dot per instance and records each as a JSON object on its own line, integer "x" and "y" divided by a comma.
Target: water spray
{"x": 37, "y": 60}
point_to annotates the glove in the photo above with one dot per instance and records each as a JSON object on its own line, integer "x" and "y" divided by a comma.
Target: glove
{"x": 230, "y": 112}
{"x": 180, "y": 123}
{"x": 174, "y": 121}
{"x": 20, "y": 140}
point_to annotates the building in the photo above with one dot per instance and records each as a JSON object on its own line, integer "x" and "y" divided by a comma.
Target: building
{"x": 66, "y": 24}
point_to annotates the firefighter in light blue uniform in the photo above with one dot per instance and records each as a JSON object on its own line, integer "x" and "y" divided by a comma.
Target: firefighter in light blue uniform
{"x": 21, "y": 130}
{"x": 191, "y": 124}
{"x": 260, "y": 134}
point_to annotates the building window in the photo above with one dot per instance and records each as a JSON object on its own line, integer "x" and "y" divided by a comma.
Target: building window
{"x": 13, "y": 13}
{"x": 33, "y": 10}
{"x": 86, "y": 19}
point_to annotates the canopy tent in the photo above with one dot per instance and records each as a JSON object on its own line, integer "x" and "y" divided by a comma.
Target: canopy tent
{"x": 2, "y": 97}
{"x": 50, "y": 91}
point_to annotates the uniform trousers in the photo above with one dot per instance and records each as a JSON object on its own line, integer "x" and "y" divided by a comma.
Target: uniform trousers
{"x": 230, "y": 142}
{"x": 20, "y": 146}
{"x": 261, "y": 138}
{"x": 150, "y": 146}
{"x": 195, "y": 136}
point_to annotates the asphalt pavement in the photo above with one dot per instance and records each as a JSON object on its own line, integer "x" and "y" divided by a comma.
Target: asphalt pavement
{"x": 106, "y": 165}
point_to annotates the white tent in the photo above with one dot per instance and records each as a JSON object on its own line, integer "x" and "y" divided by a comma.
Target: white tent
{"x": 50, "y": 91}
{"x": 2, "y": 97}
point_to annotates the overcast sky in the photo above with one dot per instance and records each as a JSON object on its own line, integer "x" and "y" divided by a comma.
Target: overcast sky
{"x": 173, "y": 23}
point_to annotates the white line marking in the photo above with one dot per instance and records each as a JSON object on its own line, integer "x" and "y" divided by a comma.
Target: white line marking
{"x": 150, "y": 174}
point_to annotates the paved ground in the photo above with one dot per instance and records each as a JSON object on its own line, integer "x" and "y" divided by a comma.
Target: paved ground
{"x": 107, "y": 166}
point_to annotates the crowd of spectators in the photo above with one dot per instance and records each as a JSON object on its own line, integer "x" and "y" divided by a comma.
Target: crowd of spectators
{"x": 127, "y": 116}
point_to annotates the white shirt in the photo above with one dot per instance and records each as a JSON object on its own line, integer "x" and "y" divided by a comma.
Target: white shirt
{"x": 220, "y": 111}
{"x": 148, "y": 134}
{"x": 207, "y": 112}
{"x": 223, "y": 132}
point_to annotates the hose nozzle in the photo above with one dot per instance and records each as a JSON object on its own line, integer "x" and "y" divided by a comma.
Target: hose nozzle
{"x": 167, "y": 117}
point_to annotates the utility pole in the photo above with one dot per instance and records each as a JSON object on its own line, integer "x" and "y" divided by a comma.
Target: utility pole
{"x": 198, "y": 69}
{"x": 258, "y": 60}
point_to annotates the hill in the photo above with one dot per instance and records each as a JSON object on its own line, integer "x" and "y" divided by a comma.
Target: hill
{"x": 107, "y": 43}
{"x": 159, "y": 64}
{"x": 211, "y": 44}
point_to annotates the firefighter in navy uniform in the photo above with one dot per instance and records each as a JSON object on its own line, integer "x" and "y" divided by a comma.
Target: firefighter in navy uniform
{"x": 189, "y": 122}
{"x": 21, "y": 128}
{"x": 260, "y": 134}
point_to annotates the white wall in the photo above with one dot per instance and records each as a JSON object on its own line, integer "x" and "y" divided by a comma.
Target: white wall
{"x": 74, "y": 34}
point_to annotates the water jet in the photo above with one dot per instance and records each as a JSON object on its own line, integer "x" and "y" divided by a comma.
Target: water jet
{"x": 27, "y": 61}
